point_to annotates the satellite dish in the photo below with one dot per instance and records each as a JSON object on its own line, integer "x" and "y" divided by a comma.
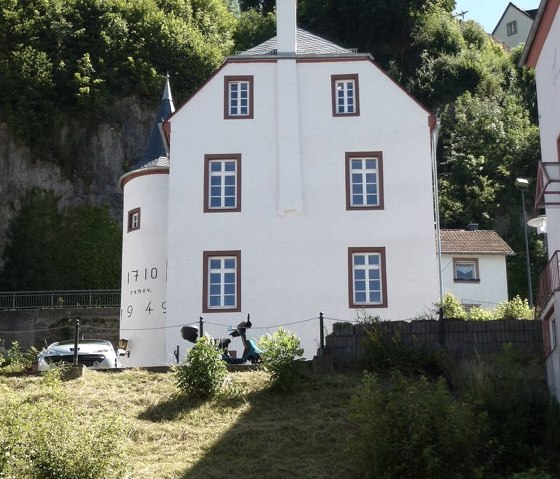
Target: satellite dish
{"x": 539, "y": 223}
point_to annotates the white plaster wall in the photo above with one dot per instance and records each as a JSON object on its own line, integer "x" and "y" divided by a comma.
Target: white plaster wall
{"x": 145, "y": 251}
{"x": 548, "y": 87}
{"x": 524, "y": 24}
{"x": 492, "y": 287}
{"x": 295, "y": 266}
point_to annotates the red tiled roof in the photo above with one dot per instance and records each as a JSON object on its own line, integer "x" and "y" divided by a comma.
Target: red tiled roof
{"x": 477, "y": 241}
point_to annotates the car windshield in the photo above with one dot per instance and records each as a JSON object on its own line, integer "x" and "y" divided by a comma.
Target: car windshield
{"x": 85, "y": 341}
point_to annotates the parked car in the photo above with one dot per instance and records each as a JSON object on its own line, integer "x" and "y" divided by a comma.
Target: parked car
{"x": 93, "y": 353}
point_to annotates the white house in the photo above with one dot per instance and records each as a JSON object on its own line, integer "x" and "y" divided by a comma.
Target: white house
{"x": 514, "y": 25}
{"x": 474, "y": 266}
{"x": 542, "y": 52}
{"x": 299, "y": 183}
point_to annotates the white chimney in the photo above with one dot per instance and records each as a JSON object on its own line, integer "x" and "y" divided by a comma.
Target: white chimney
{"x": 286, "y": 19}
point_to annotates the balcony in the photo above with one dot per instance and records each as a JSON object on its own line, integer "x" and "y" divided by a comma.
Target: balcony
{"x": 549, "y": 281}
{"x": 548, "y": 184}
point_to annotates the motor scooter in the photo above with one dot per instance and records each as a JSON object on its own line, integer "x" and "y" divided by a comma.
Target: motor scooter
{"x": 251, "y": 352}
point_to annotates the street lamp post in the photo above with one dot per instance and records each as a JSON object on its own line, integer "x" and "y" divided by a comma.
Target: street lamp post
{"x": 522, "y": 184}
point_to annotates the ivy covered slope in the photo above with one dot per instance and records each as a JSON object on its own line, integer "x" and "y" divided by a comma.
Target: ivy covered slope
{"x": 79, "y": 84}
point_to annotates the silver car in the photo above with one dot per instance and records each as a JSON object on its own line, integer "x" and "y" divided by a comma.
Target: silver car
{"x": 93, "y": 353}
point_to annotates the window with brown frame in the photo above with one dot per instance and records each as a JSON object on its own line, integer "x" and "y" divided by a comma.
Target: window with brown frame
{"x": 133, "y": 220}
{"x": 345, "y": 95}
{"x": 367, "y": 278}
{"x": 221, "y": 282}
{"x": 465, "y": 270}
{"x": 222, "y": 183}
{"x": 364, "y": 180}
{"x": 238, "y": 97}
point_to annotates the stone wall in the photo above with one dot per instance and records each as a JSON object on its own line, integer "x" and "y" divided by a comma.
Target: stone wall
{"x": 44, "y": 326}
{"x": 460, "y": 338}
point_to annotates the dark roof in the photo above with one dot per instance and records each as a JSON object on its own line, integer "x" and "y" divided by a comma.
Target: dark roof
{"x": 156, "y": 153}
{"x": 532, "y": 13}
{"x": 307, "y": 44}
{"x": 473, "y": 242}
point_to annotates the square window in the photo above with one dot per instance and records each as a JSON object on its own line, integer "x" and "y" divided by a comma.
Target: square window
{"x": 367, "y": 283}
{"x": 345, "y": 95}
{"x": 364, "y": 180}
{"x": 238, "y": 97}
{"x": 222, "y": 183}
{"x": 133, "y": 220}
{"x": 221, "y": 281}
{"x": 465, "y": 270}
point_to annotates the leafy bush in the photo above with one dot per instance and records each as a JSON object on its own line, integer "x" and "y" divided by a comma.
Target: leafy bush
{"x": 383, "y": 353}
{"x": 411, "y": 428}
{"x": 203, "y": 371}
{"x": 452, "y": 307}
{"x": 477, "y": 313}
{"x": 516, "y": 308}
{"x": 17, "y": 360}
{"x": 280, "y": 351}
{"x": 48, "y": 439}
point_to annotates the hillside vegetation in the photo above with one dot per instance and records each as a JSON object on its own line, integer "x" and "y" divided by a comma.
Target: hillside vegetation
{"x": 60, "y": 58}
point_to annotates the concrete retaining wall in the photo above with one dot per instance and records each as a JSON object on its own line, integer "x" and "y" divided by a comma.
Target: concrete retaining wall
{"x": 460, "y": 338}
{"x": 44, "y": 326}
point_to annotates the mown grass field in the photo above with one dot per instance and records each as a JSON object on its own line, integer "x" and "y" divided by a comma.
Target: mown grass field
{"x": 250, "y": 432}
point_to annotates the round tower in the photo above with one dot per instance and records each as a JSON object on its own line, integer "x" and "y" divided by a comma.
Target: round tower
{"x": 144, "y": 249}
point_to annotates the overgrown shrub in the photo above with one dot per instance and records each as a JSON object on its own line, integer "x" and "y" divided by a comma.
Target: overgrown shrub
{"x": 452, "y": 307}
{"x": 45, "y": 438}
{"x": 281, "y": 350}
{"x": 17, "y": 359}
{"x": 412, "y": 428}
{"x": 383, "y": 353}
{"x": 203, "y": 371}
{"x": 477, "y": 313}
{"x": 523, "y": 418}
{"x": 516, "y": 308}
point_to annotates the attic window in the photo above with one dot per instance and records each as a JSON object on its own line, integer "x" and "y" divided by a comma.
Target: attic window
{"x": 133, "y": 220}
{"x": 238, "y": 97}
{"x": 345, "y": 95}
{"x": 511, "y": 28}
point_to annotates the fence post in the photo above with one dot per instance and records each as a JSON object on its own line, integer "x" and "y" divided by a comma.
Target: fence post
{"x": 321, "y": 333}
{"x": 200, "y": 327}
{"x": 76, "y": 336}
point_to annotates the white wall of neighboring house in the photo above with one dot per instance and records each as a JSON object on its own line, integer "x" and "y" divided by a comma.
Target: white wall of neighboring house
{"x": 547, "y": 70}
{"x": 492, "y": 287}
{"x": 293, "y": 230}
{"x": 143, "y": 283}
{"x": 523, "y": 24}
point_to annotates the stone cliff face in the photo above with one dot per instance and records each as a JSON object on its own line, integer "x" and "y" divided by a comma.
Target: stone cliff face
{"x": 89, "y": 159}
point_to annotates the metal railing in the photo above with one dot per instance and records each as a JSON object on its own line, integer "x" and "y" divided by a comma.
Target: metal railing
{"x": 549, "y": 280}
{"x": 100, "y": 298}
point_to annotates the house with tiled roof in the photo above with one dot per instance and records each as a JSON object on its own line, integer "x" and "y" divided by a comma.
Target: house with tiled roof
{"x": 300, "y": 182}
{"x": 474, "y": 265}
{"x": 514, "y": 25}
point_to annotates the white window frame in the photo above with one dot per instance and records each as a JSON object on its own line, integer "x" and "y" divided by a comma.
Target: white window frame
{"x": 222, "y": 184}
{"x": 345, "y": 95}
{"x": 367, "y": 278}
{"x": 221, "y": 281}
{"x": 359, "y": 189}
{"x": 238, "y": 97}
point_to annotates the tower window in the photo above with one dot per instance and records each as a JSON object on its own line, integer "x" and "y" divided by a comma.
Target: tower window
{"x": 133, "y": 220}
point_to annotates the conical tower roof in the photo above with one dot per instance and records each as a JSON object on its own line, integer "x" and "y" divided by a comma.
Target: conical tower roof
{"x": 157, "y": 150}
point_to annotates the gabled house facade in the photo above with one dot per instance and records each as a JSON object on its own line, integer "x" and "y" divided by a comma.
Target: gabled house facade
{"x": 474, "y": 266}
{"x": 542, "y": 52}
{"x": 514, "y": 26}
{"x": 299, "y": 182}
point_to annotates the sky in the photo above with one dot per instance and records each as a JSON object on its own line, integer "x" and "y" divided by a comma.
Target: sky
{"x": 489, "y": 12}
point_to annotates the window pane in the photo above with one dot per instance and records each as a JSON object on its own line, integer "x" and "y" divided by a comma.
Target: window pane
{"x": 357, "y": 200}
{"x": 229, "y": 289}
{"x": 359, "y": 274}
{"x": 214, "y": 301}
{"x": 229, "y": 263}
{"x": 370, "y": 164}
{"x": 371, "y": 200}
{"x": 215, "y": 264}
{"x": 215, "y": 180}
{"x": 229, "y": 202}
{"x": 375, "y": 297}
{"x": 229, "y": 278}
{"x": 215, "y": 166}
{"x": 359, "y": 259}
{"x": 229, "y": 166}
{"x": 215, "y": 202}
{"x": 359, "y": 297}
{"x": 214, "y": 289}
{"x": 229, "y": 300}
{"x": 360, "y": 285}
{"x": 215, "y": 278}
{"x": 373, "y": 259}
